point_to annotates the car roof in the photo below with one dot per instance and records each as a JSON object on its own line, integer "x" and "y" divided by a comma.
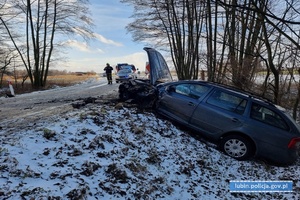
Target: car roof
{"x": 244, "y": 93}
{"x": 233, "y": 89}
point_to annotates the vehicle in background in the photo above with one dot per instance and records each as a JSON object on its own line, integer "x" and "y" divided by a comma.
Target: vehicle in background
{"x": 121, "y": 66}
{"x": 147, "y": 70}
{"x": 125, "y": 73}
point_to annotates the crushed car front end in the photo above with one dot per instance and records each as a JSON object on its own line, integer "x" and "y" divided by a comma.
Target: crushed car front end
{"x": 143, "y": 91}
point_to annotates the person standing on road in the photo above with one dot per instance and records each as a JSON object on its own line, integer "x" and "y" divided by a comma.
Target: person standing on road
{"x": 108, "y": 69}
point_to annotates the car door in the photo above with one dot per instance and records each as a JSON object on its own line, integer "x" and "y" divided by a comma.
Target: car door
{"x": 180, "y": 100}
{"x": 268, "y": 127}
{"x": 222, "y": 111}
{"x": 177, "y": 104}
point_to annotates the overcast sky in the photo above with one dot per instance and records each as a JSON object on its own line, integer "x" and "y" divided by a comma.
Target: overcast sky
{"x": 113, "y": 43}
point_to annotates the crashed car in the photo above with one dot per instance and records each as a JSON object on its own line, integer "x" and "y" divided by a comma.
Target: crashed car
{"x": 143, "y": 91}
{"x": 242, "y": 125}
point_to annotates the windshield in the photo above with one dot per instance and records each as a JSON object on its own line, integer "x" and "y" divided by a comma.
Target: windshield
{"x": 125, "y": 71}
{"x": 159, "y": 70}
{"x": 125, "y": 66}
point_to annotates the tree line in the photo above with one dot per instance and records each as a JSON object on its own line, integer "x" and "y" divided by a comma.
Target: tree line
{"x": 235, "y": 41}
{"x": 33, "y": 32}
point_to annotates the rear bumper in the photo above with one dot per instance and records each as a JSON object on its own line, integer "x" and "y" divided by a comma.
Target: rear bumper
{"x": 281, "y": 157}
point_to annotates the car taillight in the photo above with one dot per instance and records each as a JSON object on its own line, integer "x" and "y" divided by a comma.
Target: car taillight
{"x": 293, "y": 142}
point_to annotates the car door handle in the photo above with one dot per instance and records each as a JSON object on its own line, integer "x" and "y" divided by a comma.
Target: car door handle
{"x": 234, "y": 120}
{"x": 191, "y": 104}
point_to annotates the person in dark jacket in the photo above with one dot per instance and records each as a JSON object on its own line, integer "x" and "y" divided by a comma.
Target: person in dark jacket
{"x": 108, "y": 70}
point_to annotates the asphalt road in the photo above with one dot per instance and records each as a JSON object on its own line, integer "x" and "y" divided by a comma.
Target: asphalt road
{"x": 27, "y": 108}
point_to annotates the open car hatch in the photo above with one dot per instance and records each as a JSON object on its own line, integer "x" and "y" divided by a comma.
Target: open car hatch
{"x": 159, "y": 70}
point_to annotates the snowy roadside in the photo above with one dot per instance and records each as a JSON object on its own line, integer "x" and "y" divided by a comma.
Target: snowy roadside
{"x": 105, "y": 150}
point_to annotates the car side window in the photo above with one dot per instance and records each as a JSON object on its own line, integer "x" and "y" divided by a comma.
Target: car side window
{"x": 227, "y": 101}
{"x": 268, "y": 116}
{"x": 191, "y": 90}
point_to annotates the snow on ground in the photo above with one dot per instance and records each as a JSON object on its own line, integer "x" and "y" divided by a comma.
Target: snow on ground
{"x": 104, "y": 150}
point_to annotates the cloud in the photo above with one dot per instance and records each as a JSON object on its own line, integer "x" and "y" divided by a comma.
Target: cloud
{"x": 97, "y": 64}
{"x": 138, "y": 59}
{"x": 107, "y": 41}
{"x": 100, "y": 50}
{"x": 82, "y": 46}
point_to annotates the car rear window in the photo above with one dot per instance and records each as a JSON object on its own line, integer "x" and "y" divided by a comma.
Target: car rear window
{"x": 227, "y": 101}
{"x": 268, "y": 116}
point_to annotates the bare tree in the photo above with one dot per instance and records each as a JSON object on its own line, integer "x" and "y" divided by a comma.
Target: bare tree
{"x": 174, "y": 24}
{"x": 44, "y": 21}
{"x": 6, "y": 52}
{"x": 258, "y": 16}
{"x": 240, "y": 37}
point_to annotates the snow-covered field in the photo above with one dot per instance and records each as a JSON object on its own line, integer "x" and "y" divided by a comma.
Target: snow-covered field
{"x": 105, "y": 150}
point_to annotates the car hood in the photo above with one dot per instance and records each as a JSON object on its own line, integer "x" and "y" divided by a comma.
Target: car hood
{"x": 159, "y": 70}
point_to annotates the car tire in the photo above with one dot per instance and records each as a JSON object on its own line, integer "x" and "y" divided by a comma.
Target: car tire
{"x": 237, "y": 147}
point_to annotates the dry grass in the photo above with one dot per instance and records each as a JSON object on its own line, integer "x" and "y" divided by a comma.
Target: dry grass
{"x": 52, "y": 81}
{"x": 66, "y": 80}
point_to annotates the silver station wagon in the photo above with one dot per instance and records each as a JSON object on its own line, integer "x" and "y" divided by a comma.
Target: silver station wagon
{"x": 243, "y": 126}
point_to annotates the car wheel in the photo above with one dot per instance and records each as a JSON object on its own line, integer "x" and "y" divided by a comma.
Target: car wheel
{"x": 237, "y": 147}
